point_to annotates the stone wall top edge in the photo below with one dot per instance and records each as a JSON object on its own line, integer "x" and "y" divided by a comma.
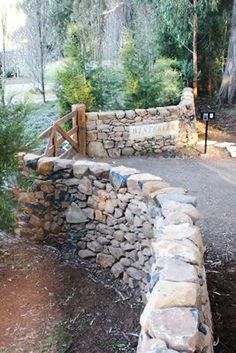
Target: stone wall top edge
{"x": 187, "y": 95}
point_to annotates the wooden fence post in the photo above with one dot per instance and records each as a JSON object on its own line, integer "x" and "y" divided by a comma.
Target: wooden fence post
{"x": 80, "y": 122}
{"x": 82, "y": 131}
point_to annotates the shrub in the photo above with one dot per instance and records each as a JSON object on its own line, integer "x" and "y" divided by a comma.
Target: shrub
{"x": 148, "y": 83}
{"x": 11, "y": 141}
{"x": 107, "y": 87}
{"x": 73, "y": 87}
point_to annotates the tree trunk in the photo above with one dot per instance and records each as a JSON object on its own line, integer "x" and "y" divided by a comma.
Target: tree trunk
{"x": 195, "y": 50}
{"x": 41, "y": 50}
{"x": 227, "y": 92}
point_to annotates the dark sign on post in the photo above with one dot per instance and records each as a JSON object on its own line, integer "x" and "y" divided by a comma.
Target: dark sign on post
{"x": 207, "y": 116}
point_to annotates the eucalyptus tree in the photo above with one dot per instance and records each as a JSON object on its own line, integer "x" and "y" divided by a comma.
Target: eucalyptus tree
{"x": 182, "y": 20}
{"x": 227, "y": 91}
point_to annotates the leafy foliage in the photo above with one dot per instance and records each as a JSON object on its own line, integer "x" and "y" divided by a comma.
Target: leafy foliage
{"x": 148, "y": 84}
{"x": 11, "y": 141}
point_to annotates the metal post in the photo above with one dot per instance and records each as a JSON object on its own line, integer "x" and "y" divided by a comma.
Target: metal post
{"x": 206, "y": 137}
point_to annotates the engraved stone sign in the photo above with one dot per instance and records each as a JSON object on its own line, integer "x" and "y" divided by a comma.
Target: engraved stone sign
{"x": 152, "y": 130}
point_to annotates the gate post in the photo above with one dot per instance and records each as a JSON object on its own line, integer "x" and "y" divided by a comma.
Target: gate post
{"x": 80, "y": 122}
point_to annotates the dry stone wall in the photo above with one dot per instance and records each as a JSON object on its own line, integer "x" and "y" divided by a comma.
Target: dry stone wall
{"x": 139, "y": 227}
{"x": 155, "y": 130}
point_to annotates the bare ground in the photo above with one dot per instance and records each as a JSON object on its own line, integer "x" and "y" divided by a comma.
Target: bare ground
{"x": 50, "y": 303}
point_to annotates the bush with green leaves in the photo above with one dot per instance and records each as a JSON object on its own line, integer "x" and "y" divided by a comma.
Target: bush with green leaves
{"x": 107, "y": 88}
{"x": 11, "y": 142}
{"x": 148, "y": 83}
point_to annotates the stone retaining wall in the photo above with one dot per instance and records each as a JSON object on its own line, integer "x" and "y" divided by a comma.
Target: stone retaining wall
{"x": 109, "y": 134}
{"x": 139, "y": 227}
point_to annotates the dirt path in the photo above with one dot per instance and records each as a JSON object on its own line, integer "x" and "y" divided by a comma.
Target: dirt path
{"x": 49, "y": 304}
{"x": 214, "y": 184}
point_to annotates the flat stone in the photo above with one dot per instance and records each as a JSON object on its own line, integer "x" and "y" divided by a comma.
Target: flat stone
{"x": 91, "y": 116}
{"x": 103, "y": 240}
{"x": 119, "y": 176}
{"x": 175, "y": 249}
{"x": 75, "y": 215}
{"x": 153, "y": 345}
{"x": 118, "y": 213}
{"x": 47, "y": 187}
{"x": 114, "y": 152}
{"x": 130, "y": 114}
{"x": 109, "y": 207}
{"x": 31, "y": 160}
{"x": 135, "y": 183}
{"x": 95, "y": 246}
{"x": 134, "y": 273}
{"x": 62, "y": 164}
{"x": 91, "y": 136}
{"x": 178, "y": 327}
{"x": 125, "y": 262}
{"x": 177, "y": 218}
{"x": 45, "y": 165}
{"x": 116, "y": 252}
{"x": 85, "y": 254}
{"x": 96, "y": 149}
{"x": 127, "y": 151}
{"x": 108, "y": 144}
{"x": 181, "y": 232}
{"x": 129, "y": 216}
{"x": 81, "y": 167}
{"x": 166, "y": 294}
{"x": 105, "y": 260}
{"x": 119, "y": 235}
{"x": 85, "y": 186}
{"x": 100, "y": 170}
{"x": 173, "y": 206}
{"x": 176, "y": 270}
{"x": 71, "y": 182}
{"x": 163, "y": 198}
{"x": 89, "y": 212}
{"x": 117, "y": 269}
{"x": 35, "y": 221}
{"x": 153, "y": 186}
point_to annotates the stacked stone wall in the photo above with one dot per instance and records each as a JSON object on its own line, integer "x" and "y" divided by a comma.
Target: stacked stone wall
{"x": 139, "y": 227}
{"x": 109, "y": 135}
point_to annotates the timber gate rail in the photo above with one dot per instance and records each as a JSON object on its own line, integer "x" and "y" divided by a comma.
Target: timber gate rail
{"x": 76, "y": 136}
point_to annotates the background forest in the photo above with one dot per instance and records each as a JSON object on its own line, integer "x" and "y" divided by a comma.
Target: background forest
{"x": 113, "y": 54}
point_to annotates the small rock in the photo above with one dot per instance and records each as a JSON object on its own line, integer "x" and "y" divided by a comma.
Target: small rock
{"x": 96, "y": 149}
{"x": 116, "y": 252}
{"x": 85, "y": 186}
{"x": 134, "y": 273}
{"x": 75, "y": 215}
{"x": 105, "y": 260}
{"x": 81, "y": 167}
{"x": 84, "y": 254}
{"x": 45, "y": 165}
{"x": 95, "y": 246}
{"x": 119, "y": 176}
{"x": 117, "y": 269}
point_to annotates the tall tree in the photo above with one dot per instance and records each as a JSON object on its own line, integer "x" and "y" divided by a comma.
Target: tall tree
{"x": 227, "y": 91}
{"x": 37, "y": 35}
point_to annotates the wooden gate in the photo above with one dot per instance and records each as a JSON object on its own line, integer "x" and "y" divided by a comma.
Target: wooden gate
{"x": 76, "y": 136}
